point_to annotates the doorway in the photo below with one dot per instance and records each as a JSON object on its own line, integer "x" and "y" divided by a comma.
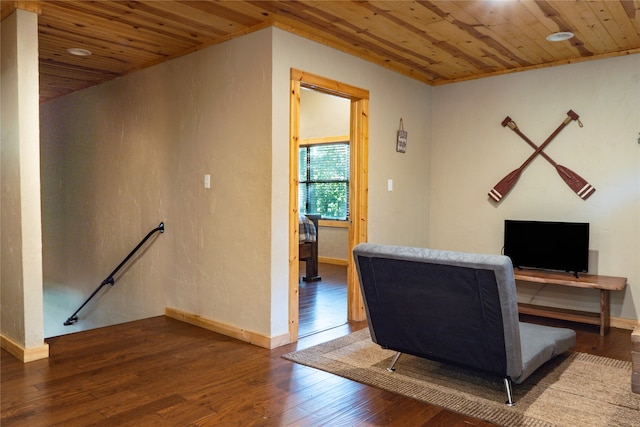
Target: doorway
{"x": 357, "y": 223}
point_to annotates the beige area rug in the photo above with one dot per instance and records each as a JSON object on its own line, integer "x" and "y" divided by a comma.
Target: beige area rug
{"x": 575, "y": 389}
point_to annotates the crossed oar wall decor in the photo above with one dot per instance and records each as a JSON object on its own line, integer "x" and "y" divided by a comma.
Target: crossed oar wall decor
{"x": 578, "y": 184}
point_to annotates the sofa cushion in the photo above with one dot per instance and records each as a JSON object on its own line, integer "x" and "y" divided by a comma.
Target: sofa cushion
{"x": 540, "y": 344}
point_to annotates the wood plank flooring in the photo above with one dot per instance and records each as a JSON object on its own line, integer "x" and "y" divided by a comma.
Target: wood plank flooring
{"x": 162, "y": 372}
{"x": 323, "y": 304}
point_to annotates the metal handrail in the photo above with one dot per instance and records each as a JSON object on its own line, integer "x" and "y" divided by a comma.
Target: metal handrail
{"x": 110, "y": 280}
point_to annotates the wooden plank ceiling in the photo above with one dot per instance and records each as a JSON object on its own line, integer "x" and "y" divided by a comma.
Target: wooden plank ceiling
{"x": 435, "y": 42}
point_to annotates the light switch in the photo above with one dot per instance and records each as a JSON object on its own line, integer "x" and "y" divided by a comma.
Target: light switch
{"x": 390, "y": 185}
{"x": 207, "y": 181}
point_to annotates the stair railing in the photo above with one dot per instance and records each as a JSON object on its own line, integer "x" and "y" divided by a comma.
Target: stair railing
{"x": 110, "y": 280}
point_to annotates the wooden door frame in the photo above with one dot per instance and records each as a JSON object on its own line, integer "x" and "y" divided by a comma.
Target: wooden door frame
{"x": 358, "y": 186}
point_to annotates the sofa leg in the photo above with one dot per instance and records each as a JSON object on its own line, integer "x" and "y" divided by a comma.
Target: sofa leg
{"x": 393, "y": 362}
{"x": 507, "y": 386}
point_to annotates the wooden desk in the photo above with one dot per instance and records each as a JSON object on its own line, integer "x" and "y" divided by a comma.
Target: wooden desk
{"x": 605, "y": 284}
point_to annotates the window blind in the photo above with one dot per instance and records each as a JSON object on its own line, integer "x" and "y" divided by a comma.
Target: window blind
{"x": 324, "y": 180}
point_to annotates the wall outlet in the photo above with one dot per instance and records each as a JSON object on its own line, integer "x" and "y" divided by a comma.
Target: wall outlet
{"x": 207, "y": 181}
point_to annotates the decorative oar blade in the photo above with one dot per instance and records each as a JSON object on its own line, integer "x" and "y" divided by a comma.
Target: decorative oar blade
{"x": 505, "y": 184}
{"x": 578, "y": 184}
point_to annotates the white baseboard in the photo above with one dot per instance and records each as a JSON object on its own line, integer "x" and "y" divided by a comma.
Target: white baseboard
{"x": 229, "y": 330}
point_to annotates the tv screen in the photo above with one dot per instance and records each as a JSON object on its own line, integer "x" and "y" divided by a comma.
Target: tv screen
{"x": 547, "y": 245}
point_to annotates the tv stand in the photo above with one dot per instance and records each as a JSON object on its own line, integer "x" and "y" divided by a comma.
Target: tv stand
{"x": 605, "y": 284}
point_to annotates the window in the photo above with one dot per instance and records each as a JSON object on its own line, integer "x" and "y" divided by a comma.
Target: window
{"x": 324, "y": 180}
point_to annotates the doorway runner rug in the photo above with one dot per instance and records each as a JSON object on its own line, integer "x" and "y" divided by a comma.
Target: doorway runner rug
{"x": 575, "y": 389}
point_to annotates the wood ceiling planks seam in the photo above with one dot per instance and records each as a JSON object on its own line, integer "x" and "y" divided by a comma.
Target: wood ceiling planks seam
{"x": 433, "y": 41}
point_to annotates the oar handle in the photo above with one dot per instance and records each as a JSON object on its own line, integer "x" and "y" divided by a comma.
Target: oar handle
{"x": 572, "y": 115}
{"x": 507, "y": 121}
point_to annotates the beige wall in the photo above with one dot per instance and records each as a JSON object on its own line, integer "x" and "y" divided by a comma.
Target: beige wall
{"x": 123, "y": 156}
{"x": 21, "y": 284}
{"x": 323, "y": 115}
{"x": 398, "y": 217}
{"x": 472, "y": 152}
{"x": 133, "y": 152}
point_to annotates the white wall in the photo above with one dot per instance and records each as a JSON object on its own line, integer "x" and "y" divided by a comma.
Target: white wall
{"x": 472, "y": 152}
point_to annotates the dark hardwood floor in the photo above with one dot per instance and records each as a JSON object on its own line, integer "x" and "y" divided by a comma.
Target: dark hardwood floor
{"x": 162, "y": 372}
{"x": 323, "y": 304}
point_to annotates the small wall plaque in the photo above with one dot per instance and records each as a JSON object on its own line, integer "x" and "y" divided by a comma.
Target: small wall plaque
{"x": 401, "y": 143}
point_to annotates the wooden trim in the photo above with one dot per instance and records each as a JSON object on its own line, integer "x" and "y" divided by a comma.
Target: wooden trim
{"x": 294, "y": 230}
{"x": 318, "y": 141}
{"x": 325, "y": 85}
{"x": 622, "y": 323}
{"x": 9, "y": 7}
{"x": 24, "y": 354}
{"x": 333, "y": 261}
{"x": 333, "y": 223}
{"x": 358, "y": 190}
{"x": 228, "y": 330}
{"x": 633, "y": 51}
{"x": 325, "y": 140}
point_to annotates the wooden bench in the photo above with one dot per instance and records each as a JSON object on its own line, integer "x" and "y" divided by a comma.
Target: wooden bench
{"x": 605, "y": 284}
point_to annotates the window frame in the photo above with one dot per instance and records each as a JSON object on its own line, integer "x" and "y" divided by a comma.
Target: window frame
{"x": 342, "y": 139}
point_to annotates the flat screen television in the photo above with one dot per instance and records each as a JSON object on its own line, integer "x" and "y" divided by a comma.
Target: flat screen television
{"x": 547, "y": 245}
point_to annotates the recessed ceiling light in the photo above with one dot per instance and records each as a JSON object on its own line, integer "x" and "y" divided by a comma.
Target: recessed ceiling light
{"x": 560, "y": 36}
{"x": 79, "y": 51}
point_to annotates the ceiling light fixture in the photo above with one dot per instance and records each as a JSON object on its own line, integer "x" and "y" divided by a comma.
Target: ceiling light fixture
{"x": 77, "y": 51}
{"x": 560, "y": 36}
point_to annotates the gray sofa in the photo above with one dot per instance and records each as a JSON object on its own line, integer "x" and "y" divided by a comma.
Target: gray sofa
{"x": 453, "y": 307}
